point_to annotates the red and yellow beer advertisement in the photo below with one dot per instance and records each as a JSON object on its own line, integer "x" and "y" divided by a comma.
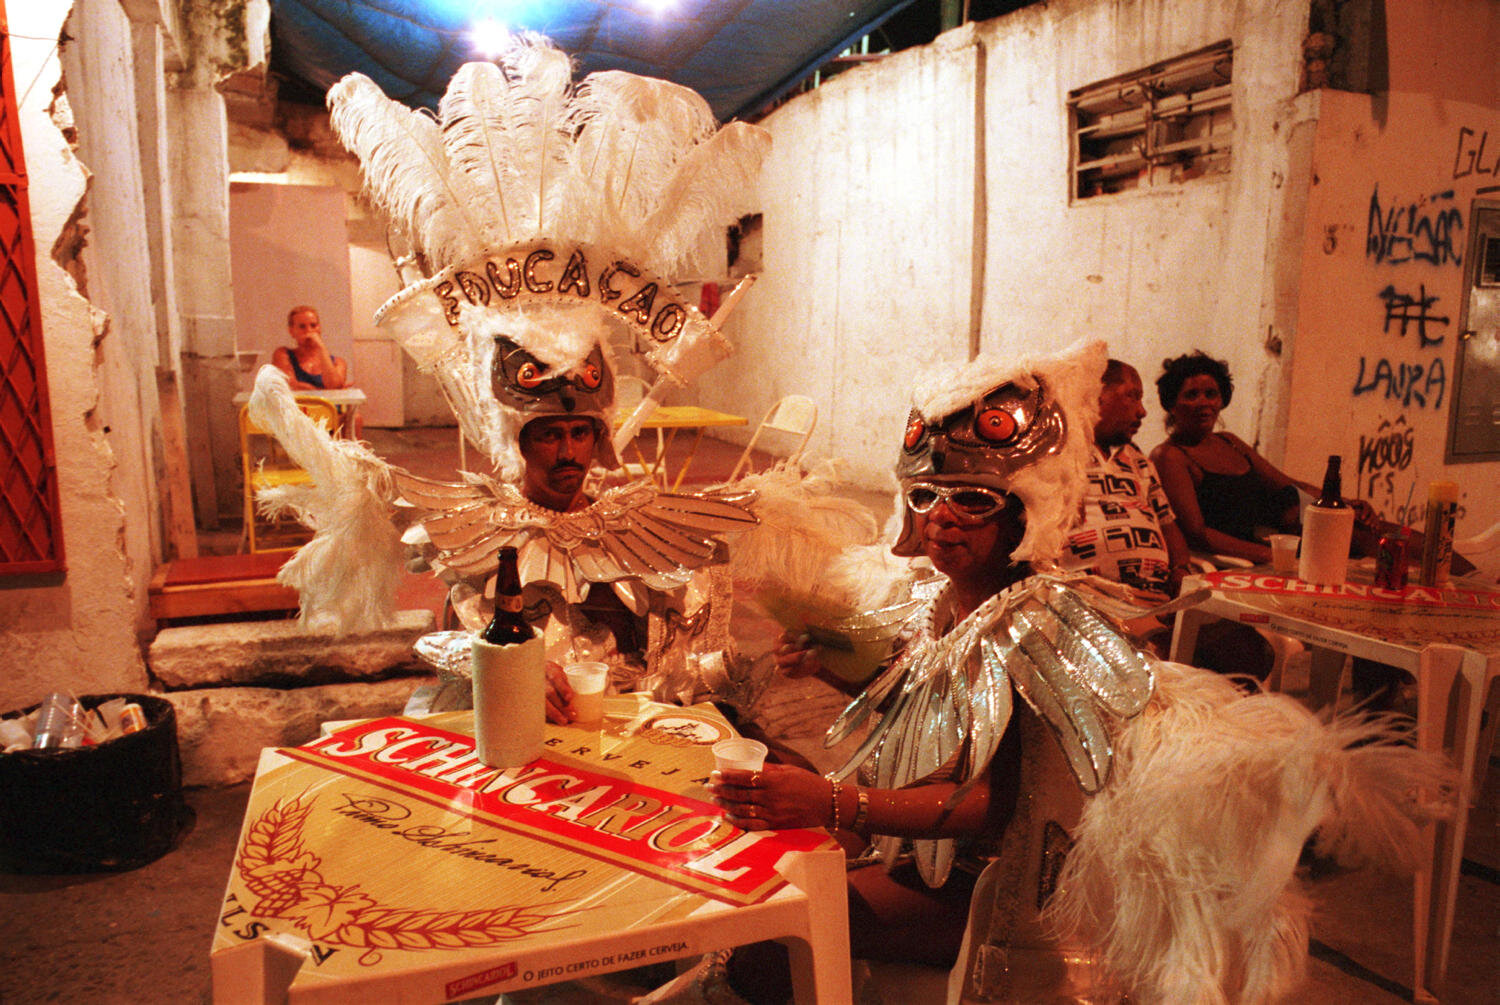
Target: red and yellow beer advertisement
{"x": 1461, "y": 615}
{"x": 388, "y": 846}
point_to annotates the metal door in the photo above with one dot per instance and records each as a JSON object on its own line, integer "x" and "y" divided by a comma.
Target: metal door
{"x": 1474, "y": 415}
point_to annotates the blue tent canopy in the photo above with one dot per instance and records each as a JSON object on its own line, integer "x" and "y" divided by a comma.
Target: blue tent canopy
{"x": 739, "y": 54}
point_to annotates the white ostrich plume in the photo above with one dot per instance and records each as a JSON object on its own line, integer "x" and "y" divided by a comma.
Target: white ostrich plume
{"x": 517, "y": 151}
{"x": 346, "y": 576}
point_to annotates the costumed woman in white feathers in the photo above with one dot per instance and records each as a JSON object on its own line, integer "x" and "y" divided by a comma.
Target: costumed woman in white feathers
{"x": 1134, "y": 825}
{"x": 546, "y": 222}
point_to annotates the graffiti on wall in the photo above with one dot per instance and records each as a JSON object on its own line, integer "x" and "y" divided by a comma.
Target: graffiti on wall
{"x": 1470, "y": 158}
{"x": 1429, "y": 229}
{"x": 1419, "y": 384}
{"x": 1423, "y": 233}
{"x": 1412, "y": 312}
{"x": 1384, "y": 458}
{"x": 1385, "y": 475}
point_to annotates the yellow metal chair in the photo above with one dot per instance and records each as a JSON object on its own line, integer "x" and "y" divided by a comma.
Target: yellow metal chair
{"x": 795, "y": 415}
{"x": 264, "y": 462}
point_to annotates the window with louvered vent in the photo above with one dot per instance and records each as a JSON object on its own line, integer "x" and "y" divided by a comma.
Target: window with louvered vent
{"x": 1163, "y": 125}
{"x": 30, "y": 521}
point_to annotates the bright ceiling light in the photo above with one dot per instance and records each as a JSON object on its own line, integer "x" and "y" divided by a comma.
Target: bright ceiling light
{"x": 489, "y": 37}
{"x": 660, "y": 7}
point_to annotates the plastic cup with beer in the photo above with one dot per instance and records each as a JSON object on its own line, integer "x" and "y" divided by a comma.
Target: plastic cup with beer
{"x": 588, "y": 681}
{"x": 739, "y": 754}
{"x": 1284, "y": 554}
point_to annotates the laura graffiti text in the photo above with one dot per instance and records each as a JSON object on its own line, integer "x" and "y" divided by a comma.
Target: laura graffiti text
{"x": 1420, "y": 384}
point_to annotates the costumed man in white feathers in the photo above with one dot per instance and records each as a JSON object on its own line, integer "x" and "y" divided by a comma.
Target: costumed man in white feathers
{"x": 1134, "y": 824}
{"x": 546, "y": 222}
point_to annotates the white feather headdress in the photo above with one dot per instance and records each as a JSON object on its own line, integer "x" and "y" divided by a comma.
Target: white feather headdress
{"x": 573, "y": 207}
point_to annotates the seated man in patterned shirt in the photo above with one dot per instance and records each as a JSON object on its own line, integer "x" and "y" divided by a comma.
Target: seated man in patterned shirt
{"x": 1127, "y": 532}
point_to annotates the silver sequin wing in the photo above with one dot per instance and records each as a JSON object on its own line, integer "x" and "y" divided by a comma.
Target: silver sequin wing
{"x": 629, "y": 532}
{"x": 661, "y": 537}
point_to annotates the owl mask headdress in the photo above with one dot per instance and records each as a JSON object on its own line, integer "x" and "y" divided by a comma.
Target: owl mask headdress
{"x": 549, "y": 220}
{"x": 1021, "y": 426}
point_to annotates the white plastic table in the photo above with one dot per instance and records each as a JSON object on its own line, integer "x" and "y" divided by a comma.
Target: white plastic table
{"x": 344, "y": 399}
{"x": 383, "y": 862}
{"x": 1448, "y": 640}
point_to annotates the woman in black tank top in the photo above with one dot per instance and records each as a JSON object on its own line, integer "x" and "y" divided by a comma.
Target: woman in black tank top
{"x": 1222, "y": 492}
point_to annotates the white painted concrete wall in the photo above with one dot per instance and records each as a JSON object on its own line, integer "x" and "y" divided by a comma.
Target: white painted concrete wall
{"x": 401, "y": 395}
{"x": 1385, "y": 239}
{"x": 870, "y": 202}
{"x": 867, "y": 194}
{"x": 289, "y": 246}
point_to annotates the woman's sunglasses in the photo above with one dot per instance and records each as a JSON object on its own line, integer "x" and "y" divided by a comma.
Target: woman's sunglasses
{"x": 970, "y": 503}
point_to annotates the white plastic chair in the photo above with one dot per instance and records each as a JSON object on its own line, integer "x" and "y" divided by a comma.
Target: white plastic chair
{"x": 1283, "y": 648}
{"x": 1483, "y": 549}
{"x": 794, "y": 415}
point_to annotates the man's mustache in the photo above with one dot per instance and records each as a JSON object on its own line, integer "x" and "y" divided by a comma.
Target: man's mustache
{"x": 561, "y": 466}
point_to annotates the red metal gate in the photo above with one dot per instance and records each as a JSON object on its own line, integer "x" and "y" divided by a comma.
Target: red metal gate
{"x": 30, "y": 520}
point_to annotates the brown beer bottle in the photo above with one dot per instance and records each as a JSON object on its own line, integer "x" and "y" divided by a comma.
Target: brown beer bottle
{"x": 1332, "y": 496}
{"x": 508, "y": 627}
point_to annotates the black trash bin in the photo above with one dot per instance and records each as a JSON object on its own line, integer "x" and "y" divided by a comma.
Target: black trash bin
{"x": 115, "y": 806}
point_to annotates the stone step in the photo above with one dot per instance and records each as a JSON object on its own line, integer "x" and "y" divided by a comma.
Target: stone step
{"x": 221, "y": 730}
{"x": 242, "y": 686}
{"x": 283, "y": 654}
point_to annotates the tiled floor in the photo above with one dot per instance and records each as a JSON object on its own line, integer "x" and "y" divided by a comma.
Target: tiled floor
{"x": 143, "y": 936}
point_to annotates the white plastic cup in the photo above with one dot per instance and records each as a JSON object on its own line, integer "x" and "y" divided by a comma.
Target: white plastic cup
{"x": 739, "y": 754}
{"x": 1284, "y": 554}
{"x": 588, "y": 681}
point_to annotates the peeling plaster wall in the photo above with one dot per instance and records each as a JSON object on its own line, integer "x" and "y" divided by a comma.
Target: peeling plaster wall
{"x": 118, "y": 263}
{"x": 873, "y": 265}
{"x": 78, "y": 631}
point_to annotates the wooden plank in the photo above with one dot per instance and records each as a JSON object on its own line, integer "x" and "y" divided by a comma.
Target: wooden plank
{"x": 177, "y": 486}
{"x": 220, "y": 584}
{"x": 224, "y": 568}
{"x": 248, "y": 597}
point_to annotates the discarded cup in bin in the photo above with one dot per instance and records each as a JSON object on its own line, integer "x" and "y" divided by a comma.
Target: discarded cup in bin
{"x": 59, "y": 723}
{"x": 117, "y": 805}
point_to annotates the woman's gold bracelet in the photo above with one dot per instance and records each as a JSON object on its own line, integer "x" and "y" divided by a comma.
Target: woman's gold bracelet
{"x": 837, "y": 789}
